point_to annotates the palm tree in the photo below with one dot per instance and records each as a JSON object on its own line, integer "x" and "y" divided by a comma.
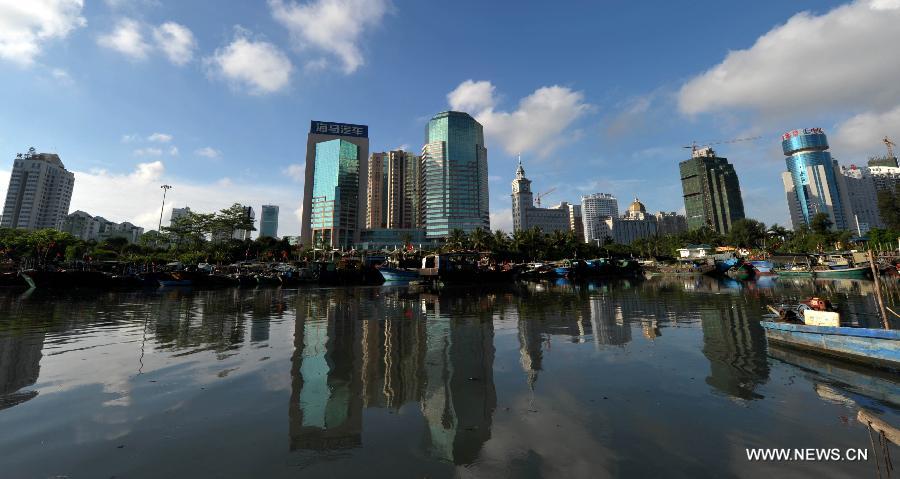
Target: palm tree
{"x": 501, "y": 240}
{"x": 480, "y": 239}
{"x": 457, "y": 239}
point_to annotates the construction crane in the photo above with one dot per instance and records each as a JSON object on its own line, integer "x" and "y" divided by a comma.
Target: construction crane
{"x": 537, "y": 197}
{"x": 694, "y": 146}
{"x": 890, "y": 146}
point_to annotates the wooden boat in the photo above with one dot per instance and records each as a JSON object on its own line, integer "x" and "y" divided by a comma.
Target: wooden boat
{"x": 877, "y": 347}
{"x": 175, "y": 279}
{"x": 858, "y": 272}
{"x": 800, "y": 271}
{"x": 763, "y": 267}
{"x": 398, "y": 274}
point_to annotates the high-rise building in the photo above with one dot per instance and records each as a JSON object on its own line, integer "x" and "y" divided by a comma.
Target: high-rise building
{"x": 97, "y": 228}
{"x": 526, "y": 215}
{"x": 320, "y": 132}
{"x": 178, "y": 213}
{"x": 712, "y": 193}
{"x": 811, "y": 179}
{"x": 244, "y": 235}
{"x": 595, "y": 209}
{"x": 268, "y": 221}
{"x": 335, "y": 207}
{"x": 454, "y": 175}
{"x": 393, "y": 199}
{"x": 670, "y": 223}
{"x": 888, "y": 161}
{"x": 859, "y": 187}
{"x": 574, "y": 213}
{"x": 40, "y": 190}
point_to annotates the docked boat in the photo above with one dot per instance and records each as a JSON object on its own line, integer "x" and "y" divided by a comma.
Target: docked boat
{"x": 762, "y": 267}
{"x": 175, "y": 279}
{"x": 795, "y": 270}
{"x": 464, "y": 268}
{"x": 742, "y": 272}
{"x": 856, "y": 272}
{"x": 67, "y": 279}
{"x": 877, "y": 347}
{"x": 392, "y": 274}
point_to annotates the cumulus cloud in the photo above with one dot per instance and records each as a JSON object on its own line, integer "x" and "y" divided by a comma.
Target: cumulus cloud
{"x": 541, "y": 122}
{"x": 126, "y": 38}
{"x": 258, "y": 66}
{"x": 135, "y": 196}
{"x": 861, "y": 136}
{"x": 160, "y": 138}
{"x": 209, "y": 152}
{"x": 296, "y": 172}
{"x": 25, "y": 26}
{"x": 176, "y": 41}
{"x": 502, "y": 220}
{"x": 61, "y": 76}
{"x": 332, "y": 26}
{"x": 839, "y": 59}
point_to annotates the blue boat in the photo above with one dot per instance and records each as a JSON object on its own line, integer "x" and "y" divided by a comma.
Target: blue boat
{"x": 763, "y": 267}
{"x": 724, "y": 264}
{"x": 877, "y": 347}
{"x": 398, "y": 274}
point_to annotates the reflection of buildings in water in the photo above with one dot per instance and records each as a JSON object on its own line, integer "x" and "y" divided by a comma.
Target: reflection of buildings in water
{"x": 20, "y": 366}
{"x": 736, "y": 349}
{"x": 530, "y": 354}
{"x": 459, "y": 398}
{"x": 608, "y": 323}
{"x": 650, "y": 328}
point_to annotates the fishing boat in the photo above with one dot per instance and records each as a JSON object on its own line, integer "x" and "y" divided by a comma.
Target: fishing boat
{"x": 763, "y": 267}
{"x": 742, "y": 272}
{"x": 392, "y": 274}
{"x": 175, "y": 279}
{"x": 66, "y": 279}
{"x": 796, "y": 270}
{"x": 856, "y": 272}
{"x": 878, "y": 347}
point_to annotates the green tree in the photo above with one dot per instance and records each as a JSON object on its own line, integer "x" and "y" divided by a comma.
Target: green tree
{"x": 889, "y": 208}
{"x": 747, "y": 233}
{"x": 480, "y": 239}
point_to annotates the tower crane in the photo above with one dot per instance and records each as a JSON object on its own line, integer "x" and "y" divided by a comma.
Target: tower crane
{"x": 694, "y": 146}
{"x": 537, "y": 197}
{"x": 890, "y": 146}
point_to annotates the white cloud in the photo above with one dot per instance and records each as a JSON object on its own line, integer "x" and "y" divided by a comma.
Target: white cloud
{"x": 61, "y": 76}
{"x": 126, "y": 38}
{"x": 208, "y": 152}
{"x": 257, "y": 65}
{"x": 129, "y": 138}
{"x": 296, "y": 172}
{"x": 147, "y": 152}
{"x": 176, "y": 41}
{"x": 861, "y": 136}
{"x": 173, "y": 151}
{"x": 537, "y": 125}
{"x": 26, "y": 25}
{"x": 136, "y": 196}
{"x": 811, "y": 63}
{"x": 333, "y": 26}
{"x": 160, "y": 138}
{"x": 502, "y": 220}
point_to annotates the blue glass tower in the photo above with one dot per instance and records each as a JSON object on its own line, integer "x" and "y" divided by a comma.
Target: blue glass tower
{"x": 810, "y": 182}
{"x": 454, "y": 175}
{"x": 335, "y": 194}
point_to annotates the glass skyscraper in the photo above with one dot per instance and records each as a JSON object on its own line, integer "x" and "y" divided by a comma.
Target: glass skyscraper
{"x": 712, "y": 192}
{"x": 268, "y": 223}
{"x": 454, "y": 175}
{"x": 335, "y": 194}
{"x": 810, "y": 182}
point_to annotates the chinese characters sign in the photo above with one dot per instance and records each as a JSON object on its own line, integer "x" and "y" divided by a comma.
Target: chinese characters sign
{"x": 341, "y": 129}
{"x": 805, "y": 131}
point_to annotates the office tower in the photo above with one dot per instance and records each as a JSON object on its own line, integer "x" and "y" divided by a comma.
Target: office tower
{"x": 376, "y": 192}
{"x": 526, "y": 215}
{"x": 811, "y": 179}
{"x": 335, "y": 195}
{"x": 595, "y": 209}
{"x": 454, "y": 175}
{"x": 268, "y": 221}
{"x": 178, "y": 213}
{"x": 321, "y": 131}
{"x": 575, "y": 221}
{"x": 859, "y": 187}
{"x": 244, "y": 235}
{"x": 712, "y": 193}
{"x": 403, "y": 190}
{"x": 670, "y": 223}
{"x": 39, "y": 193}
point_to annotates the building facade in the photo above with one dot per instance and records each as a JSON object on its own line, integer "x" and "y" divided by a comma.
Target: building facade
{"x": 178, "y": 213}
{"x": 96, "y": 228}
{"x": 670, "y": 223}
{"x": 575, "y": 221}
{"x": 393, "y": 198}
{"x": 321, "y": 131}
{"x": 526, "y": 215}
{"x": 859, "y": 187}
{"x": 454, "y": 175}
{"x": 39, "y": 193}
{"x": 712, "y": 192}
{"x": 635, "y": 224}
{"x": 595, "y": 209}
{"x": 268, "y": 221}
{"x": 335, "y": 207}
{"x": 811, "y": 179}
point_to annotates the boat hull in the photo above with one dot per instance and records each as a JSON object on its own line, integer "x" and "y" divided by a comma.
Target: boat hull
{"x": 398, "y": 274}
{"x": 796, "y": 274}
{"x": 849, "y": 273}
{"x": 877, "y": 347}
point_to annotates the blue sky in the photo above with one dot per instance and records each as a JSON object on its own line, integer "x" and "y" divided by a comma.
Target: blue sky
{"x": 216, "y": 100}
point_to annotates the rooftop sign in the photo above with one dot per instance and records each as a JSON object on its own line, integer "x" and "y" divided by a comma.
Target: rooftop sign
{"x": 805, "y": 131}
{"x": 339, "y": 129}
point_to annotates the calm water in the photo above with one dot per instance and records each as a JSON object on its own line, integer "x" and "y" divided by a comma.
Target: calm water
{"x": 661, "y": 378}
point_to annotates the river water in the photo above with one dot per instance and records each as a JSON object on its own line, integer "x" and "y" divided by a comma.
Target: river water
{"x": 664, "y": 378}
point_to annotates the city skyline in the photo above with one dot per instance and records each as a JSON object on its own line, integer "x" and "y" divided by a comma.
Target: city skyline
{"x": 577, "y": 124}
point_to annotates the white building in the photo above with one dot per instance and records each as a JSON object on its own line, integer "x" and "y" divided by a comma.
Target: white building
{"x": 595, "y": 210}
{"x": 527, "y": 216}
{"x": 39, "y": 193}
{"x": 96, "y": 228}
{"x": 635, "y": 224}
{"x": 576, "y": 223}
{"x": 670, "y": 223}
{"x": 859, "y": 193}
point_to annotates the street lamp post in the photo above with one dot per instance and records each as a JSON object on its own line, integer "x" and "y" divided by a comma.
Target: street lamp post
{"x": 165, "y": 189}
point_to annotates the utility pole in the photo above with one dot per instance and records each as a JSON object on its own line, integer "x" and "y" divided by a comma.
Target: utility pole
{"x": 165, "y": 189}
